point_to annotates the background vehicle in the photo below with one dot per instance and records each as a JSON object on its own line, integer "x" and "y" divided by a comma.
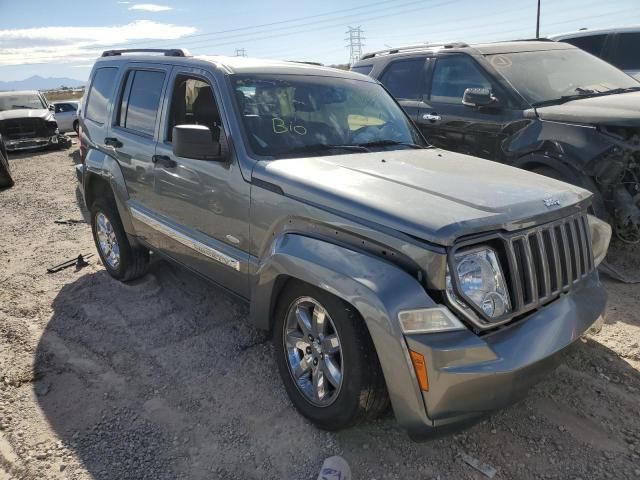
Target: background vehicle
{"x": 27, "y": 121}
{"x": 383, "y": 268}
{"x": 5, "y": 172}
{"x": 66, "y": 114}
{"x": 542, "y": 106}
{"x": 618, "y": 46}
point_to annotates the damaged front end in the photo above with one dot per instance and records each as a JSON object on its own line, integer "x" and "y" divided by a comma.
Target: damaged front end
{"x": 32, "y": 131}
{"x": 617, "y": 173}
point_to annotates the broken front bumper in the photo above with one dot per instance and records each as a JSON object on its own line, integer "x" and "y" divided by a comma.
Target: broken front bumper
{"x": 471, "y": 375}
{"x": 31, "y": 143}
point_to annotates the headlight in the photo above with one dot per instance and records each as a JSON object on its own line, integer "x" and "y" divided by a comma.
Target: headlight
{"x": 429, "y": 320}
{"x": 600, "y": 237}
{"x": 481, "y": 281}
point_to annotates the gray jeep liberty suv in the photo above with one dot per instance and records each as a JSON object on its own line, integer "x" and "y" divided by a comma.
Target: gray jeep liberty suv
{"x": 384, "y": 268}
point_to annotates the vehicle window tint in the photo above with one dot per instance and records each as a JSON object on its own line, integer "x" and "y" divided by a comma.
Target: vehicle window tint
{"x": 453, "y": 75}
{"x": 140, "y": 109}
{"x": 193, "y": 103}
{"x": 58, "y": 108}
{"x": 363, "y": 69}
{"x": 100, "y": 94}
{"x": 591, "y": 43}
{"x": 405, "y": 78}
{"x": 627, "y": 55}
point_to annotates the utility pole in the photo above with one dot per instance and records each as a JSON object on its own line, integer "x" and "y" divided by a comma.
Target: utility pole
{"x": 240, "y": 52}
{"x": 538, "y": 22}
{"x": 355, "y": 44}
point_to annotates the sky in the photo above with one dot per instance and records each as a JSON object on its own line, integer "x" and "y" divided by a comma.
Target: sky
{"x": 57, "y": 39}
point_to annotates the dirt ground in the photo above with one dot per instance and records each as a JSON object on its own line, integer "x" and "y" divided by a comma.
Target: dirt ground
{"x": 166, "y": 378}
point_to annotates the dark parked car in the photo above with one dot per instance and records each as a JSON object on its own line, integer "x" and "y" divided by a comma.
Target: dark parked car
{"x": 618, "y": 46}
{"x": 5, "y": 172}
{"x": 542, "y": 106}
{"x": 382, "y": 267}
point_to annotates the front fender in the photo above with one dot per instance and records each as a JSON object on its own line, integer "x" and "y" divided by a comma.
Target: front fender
{"x": 99, "y": 165}
{"x": 376, "y": 288}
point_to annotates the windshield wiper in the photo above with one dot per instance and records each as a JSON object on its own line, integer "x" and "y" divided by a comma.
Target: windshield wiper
{"x": 389, "y": 143}
{"x": 317, "y": 147}
{"x": 585, "y": 93}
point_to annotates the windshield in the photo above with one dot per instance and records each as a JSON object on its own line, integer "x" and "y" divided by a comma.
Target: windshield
{"x": 20, "y": 100}
{"x": 294, "y": 115}
{"x": 549, "y": 75}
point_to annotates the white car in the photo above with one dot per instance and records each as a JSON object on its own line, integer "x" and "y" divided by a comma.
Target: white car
{"x": 66, "y": 114}
{"x": 618, "y": 46}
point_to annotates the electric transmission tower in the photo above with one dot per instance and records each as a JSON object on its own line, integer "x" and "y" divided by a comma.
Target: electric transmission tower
{"x": 240, "y": 52}
{"x": 355, "y": 44}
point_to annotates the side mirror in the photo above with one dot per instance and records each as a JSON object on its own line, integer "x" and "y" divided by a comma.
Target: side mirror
{"x": 52, "y": 107}
{"x": 479, "y": 97}
{"x": 196, "y": 141}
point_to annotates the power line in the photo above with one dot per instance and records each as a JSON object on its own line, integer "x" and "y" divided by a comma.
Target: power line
{"x": 355, "y": 45}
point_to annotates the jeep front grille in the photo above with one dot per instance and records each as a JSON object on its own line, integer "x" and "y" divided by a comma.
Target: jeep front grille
{"x": 17, "y": 129}
{"x": 548, "y": 260}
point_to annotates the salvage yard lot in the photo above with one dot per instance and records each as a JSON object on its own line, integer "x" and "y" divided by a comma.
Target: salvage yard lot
{"x": 166, "y": 377}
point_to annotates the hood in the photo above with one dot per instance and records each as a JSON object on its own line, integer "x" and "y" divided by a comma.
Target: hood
{"x": 431, "y": 194}
{"x": 43, "y": 113}
{"x": 621, "y": 109}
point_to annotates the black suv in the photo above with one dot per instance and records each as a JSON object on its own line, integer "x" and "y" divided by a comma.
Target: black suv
{"x": 539, "y": 105}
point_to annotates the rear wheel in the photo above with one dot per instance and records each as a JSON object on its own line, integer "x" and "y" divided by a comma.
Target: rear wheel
{"x": 326, "y": 358}
{"x": 76, "y": 126}
{"x": 122, "y": 260}
{"x": 6, "y": 180}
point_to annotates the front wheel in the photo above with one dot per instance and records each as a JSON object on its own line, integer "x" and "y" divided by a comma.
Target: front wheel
{"x": 76, "y": 126}
{"x": 6, "y": 180}
{"x": 326, "y": 358}
{"x": 122, "y": 260}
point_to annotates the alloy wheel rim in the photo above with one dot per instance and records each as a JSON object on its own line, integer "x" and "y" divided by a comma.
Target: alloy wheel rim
{"x": 107, "y": 241}
{"x": 314, "y": 353}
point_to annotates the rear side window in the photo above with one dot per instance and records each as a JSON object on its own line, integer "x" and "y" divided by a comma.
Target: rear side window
{"x": 405, "y": 78}
{"x": 100, "y": 94}
{"x": 628, "y": 57}
{"x": 363, "y": 69}
{"x": 140, "y": 101}
{"x": 592, "y": 43}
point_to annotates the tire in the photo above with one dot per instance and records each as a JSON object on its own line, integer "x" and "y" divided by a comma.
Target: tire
{"x": 126, "y": 263}
{"x": 6, "y": 180}
{"x": 361, "y": 393}
{"x": 597, "y": 207}
{"x": 76, "y": 126}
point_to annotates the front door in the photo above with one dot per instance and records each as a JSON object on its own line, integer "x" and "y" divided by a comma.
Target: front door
{"x": 448, "y": 124}
{"x": 203, "y": 204}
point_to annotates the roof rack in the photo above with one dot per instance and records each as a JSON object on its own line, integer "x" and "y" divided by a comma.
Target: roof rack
{"x": 168, "y": 52}
{"x": 418, "y": 46}
{"x": 317, "y": 64}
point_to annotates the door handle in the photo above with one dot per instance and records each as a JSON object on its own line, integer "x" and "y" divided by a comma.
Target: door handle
{"x": 432, "y": 117}
{"x": 164, "y": 161}
{"x": 113, "y": 142}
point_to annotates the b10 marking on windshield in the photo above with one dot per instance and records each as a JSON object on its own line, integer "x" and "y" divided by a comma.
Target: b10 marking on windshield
{"x": 280, "y": 126}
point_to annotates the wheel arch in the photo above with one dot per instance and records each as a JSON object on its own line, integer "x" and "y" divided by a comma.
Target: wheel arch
{"x": 375, "y": 288}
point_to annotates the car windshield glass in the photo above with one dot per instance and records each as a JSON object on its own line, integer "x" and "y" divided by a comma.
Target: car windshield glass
{"x": 20, "y": 100}
{"x": 295, "y": 116}
{"x": 552, "y": 75}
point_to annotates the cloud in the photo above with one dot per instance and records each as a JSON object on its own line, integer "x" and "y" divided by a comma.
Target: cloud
{"x": 77, "y": 44}
{"x": 149, "y": 7}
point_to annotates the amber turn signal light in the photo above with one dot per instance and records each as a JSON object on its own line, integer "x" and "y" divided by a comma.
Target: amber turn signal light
{"x": 420, "y": 367}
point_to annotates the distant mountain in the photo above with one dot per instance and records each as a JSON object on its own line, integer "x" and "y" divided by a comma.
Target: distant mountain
{"x": 40, "y": 83}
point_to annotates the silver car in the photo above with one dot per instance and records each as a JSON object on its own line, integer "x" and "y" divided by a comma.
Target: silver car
{"x": 66, "y": 114}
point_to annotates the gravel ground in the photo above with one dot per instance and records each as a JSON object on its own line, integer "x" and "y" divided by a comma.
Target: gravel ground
{"x": 166, "y": 378}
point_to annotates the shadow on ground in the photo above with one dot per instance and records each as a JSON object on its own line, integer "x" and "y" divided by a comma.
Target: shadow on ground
{"x": 165, "y": 378}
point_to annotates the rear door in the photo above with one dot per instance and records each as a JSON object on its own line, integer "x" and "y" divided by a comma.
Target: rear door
{"x": 132, "y": 136}
{"x": 448, "y": 124}
{"x": 406, "y": 80}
